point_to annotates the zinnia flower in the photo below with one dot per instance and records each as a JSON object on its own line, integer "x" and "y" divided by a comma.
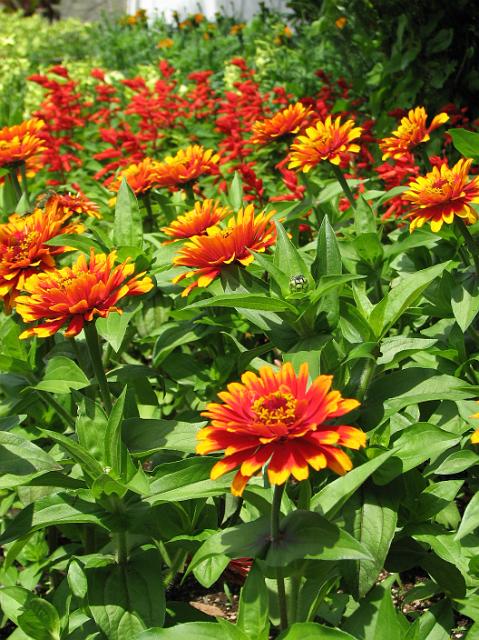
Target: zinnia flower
{"x": 287, "y": 121}
{"x": 75, "y": 295}
{"x": 442, "y": 194}
{"x": 20, "y": 142}
{"x": 23, "y": 251}
{"x": 141, "y": 177}
{"x": 186, "y": 166}
{"x": 411, "y": 132}
{"x": 65, "y": 205}
{"x": 196, "y": 222}
{"x": 207, "y": 255}
{"x": 326, "y": 140}
{"x": 274, "y": 419}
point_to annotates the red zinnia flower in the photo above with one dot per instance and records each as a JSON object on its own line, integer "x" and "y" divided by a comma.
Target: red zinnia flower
{"x": 20, "y": 142}
{"x": 274, "y": 419}
{"x": 196, "y": 222}
{"x": 65, "y": 205}
{"x": 442, "y": 194}
{"x": 411, "y": 132}
{"x": 287, "y": 121}
{"x": 326, "y": 140}
{"x": 207, "y": 255}
{"x": 75, "y": 295}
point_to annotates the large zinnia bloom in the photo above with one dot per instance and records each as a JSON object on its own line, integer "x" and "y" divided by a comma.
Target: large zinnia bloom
{"x": 75, "y": 295}
{"x": 287, "y": 121}
{"x": 196, "y": 222}
{"x": 23, "y": 251}
{"x": 326, "y": 140}
{"x": 187, "y": 166}
{"x": 442, "y": 194}
{"x": 65, "y": 205}
{"x": 141, "y": 177}
{"x": 20, "y": 142}
{"x": 207, "y": 255}
{"x": 411, "y": 132}
{"x": 274, "y": 419}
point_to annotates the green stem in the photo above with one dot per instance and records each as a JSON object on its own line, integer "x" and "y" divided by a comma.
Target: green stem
{"x": 190, "y": 194}
{"x": 16, "y": 185}
{"x": 469, "y": 241}
{"x": 121, "y": 547}
{"x": 366, "y": 377}
{"x": 57, "y": 407}
{"x": 23, "y": 172}
{"x": 93, "y": 344}
{"x": 344, "y": 185}
{"x": 275, "y": 534}
{"x": 149, "y": 221}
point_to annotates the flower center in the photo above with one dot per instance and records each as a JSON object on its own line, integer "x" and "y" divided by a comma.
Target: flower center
{"x": 21, "y": 244}
{"x": 275, "y": 407}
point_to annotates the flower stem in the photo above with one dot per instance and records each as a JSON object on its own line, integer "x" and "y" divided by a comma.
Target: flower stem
{"x": 366, "y": 378}
{"x": 149, "y": 221}
{"x": 93, "y": 344}
{"x": 121, "y": 547}
{"x": 469, "y": 241}
{"x": 344, "y": 185}
{"x": 275, "y": 533}
{"x": 14, "y": 180}
{"x": 23, "y": 172}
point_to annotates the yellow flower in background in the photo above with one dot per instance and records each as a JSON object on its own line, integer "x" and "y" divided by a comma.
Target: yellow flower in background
{"x": 165, "y": 43}
{"x": 341, "y": 22}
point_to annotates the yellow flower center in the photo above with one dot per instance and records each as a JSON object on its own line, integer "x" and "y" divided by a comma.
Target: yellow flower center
{"x": 21, "y": 244}
{"x": 275, "y": 407}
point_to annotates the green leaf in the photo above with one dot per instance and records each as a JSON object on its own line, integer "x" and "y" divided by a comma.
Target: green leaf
{"x": 456, "y": 462}
{"x": 147, "y": 436}
{"x": 113, "y": 328}
{"x": 77, "y": 579}
{"x": 288, "y": 259}
{"x": 387, "y": 312}
{"x": 465, "y": 303}
{"x": 369, "y": 248}
{"x": 83, "y": 243}
{"x": 470, "y": 519}
{"x": 364, "y": 217}
{"x": 305, "y": 534}
{"x": 62, "y": 375}
{"x": 198, "y": 630}
{"x": 128, "y": 226}
{"x": 40, "y": 620}
{"x": 313, "y": 631}
{"x": 466, "y": 142}
{"x": 14, "y": 600}
{"x": 89, "y": 465}
{"x": 244, "y": 301}
{"x": 235, "y": 192}
{"x": 128, "y": 598}
{"x": 330, "y": 498}
{"x": 328, "y": 257}
{"x": 396, "y": 348}
{"x": 253, "y": 606}
{"x": 59, "y": 508}
{"x": 10, "y": 197}
{"x": 20, "y": 459}
{"x": 115, "y": 452}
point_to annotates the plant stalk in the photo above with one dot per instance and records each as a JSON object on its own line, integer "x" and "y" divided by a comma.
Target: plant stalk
{"x": 93, "y": 344}
{"x": 149, "y": 221}
{"x": 469, "y": 241}
{"x": 23, "y": 173}
{"x": 344, "y": 185}
{"x": 121, "y": 547}
{"x": 16, "y": 185}
{"x": 366, "y": 377}
{"x": 275, "y": 534}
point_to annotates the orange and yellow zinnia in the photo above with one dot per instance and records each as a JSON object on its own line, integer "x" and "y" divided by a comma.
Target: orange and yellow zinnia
{"x": 141, "y": 177}
{"x": 206, "y": 214}
{"x": 65, "y": 205}
{"x": 21, "y": 142}
{"x": 327, "y": 140}
{"x": 276, "y": 420}
{"x": 186, "y": 166}
{"x": 441, "y": 195}
{"x": 288, "y": 121}
{"x": 74, "y": 295}
{"x": 412, "y": 131}
{"x": 24, "y": 252}
{"x": 207, "y": 255}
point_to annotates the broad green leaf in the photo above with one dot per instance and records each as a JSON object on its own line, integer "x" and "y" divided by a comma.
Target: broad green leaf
{"x": 387, "y": 312}
{"x": 146, "y": 436}
{"x": 444, "y": 545}
{"x": 83, "y": 243}
{"x": 369, "y": 248}
{"x": 253, "y": 606}
{"x": 62, "y": 375}
{"x": 456, "y": 462}
{"x": 10, "y": 196}
{"x": 307, "y": 350}
{"x": 14, "y": 600}
{"x": 328, "y": 257}
{"x": 113, "y": 328}
{"x": 115, "y": 452}
{"x": 396, "y": 348}
{"x": 172, "y": 336}
{"x": 470, "y": 519}
{"x": 196, "y": 630}
{"x": 59, "y": 508}
{"x": 235, "y": 192}
{"x": 288, "y": 259}
{"x": 330, "y": 498}
{"x": 266, "y": 261}
{"x": 77, "y": 579}
{"x": 89, "y": 465}
{"x": 128, "y": 225}
{"x": 40, "y": 620}
{"x": 465, "y": 303}
{"x": 20, "y": 459}
{"x": 364, "y": 217}
{"x": 466, "y": 142}
{"x": 126, "y": 599}
{"x": 313, "y": 631}
{"x": 244, "y": 301}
